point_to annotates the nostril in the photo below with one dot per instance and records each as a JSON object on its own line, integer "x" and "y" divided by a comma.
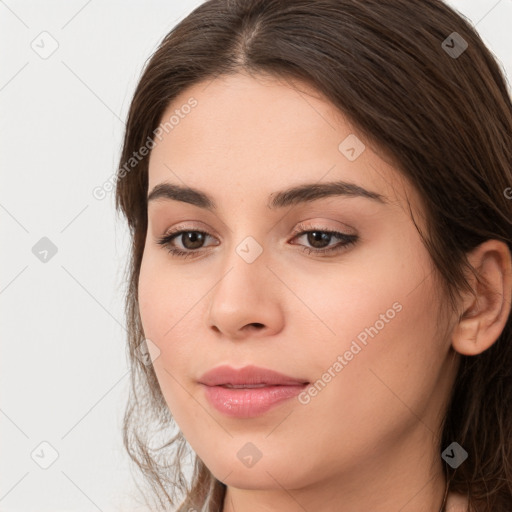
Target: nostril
{"x": 257, "y": 324}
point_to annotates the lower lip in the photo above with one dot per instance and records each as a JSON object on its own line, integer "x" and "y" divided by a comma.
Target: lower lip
{"x": 249, "y": 402}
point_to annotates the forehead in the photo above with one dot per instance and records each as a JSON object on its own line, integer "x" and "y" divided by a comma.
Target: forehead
{"x": 262, "y": 133}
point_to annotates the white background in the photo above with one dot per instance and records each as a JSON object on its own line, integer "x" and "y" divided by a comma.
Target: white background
{"x": 63, "y": 369}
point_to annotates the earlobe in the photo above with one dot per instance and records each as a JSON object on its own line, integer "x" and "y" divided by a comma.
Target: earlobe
{"x": 486, "y": 310}
{"x": 465, "y": 337}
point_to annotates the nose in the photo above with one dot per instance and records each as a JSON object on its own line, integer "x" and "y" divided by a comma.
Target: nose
{"x": 247, "y": 301}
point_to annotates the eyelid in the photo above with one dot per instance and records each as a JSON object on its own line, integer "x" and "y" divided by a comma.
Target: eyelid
{"x": 193, "y": 227}
{"x": 318, "y": 226}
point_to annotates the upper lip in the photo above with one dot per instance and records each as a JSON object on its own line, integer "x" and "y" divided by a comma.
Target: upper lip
{"x": 248, "y": 375}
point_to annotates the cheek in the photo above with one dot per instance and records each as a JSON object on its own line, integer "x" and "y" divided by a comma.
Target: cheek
{"x": 172, "y": 307}
{"x": 368, "y": 394}
{"x": 152, "y": 304}
{"x": 383, "y": 288}
{"x": 164, "y": 306}
{"x": 379, "y": 338}
{"x": 166, "y": 298}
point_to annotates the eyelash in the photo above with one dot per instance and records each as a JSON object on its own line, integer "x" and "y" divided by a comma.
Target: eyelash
{"x": 346, "y": 241}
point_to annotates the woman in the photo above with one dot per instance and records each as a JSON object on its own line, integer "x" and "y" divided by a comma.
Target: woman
{"x": 320, "y": 277}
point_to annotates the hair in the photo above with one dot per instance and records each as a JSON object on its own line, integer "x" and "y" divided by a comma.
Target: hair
{"x": 446, "y": 122}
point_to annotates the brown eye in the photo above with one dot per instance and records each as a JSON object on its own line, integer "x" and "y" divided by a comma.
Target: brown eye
{"x": 185, "y": 243}
{"x": 319, "y": 239}
{"x": 192, "y": 239}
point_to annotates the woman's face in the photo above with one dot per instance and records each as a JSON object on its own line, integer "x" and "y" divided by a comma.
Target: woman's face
{"x": 358, "y": 321}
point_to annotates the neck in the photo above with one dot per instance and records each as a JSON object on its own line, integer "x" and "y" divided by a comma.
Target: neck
{"x": 430, "y": 498}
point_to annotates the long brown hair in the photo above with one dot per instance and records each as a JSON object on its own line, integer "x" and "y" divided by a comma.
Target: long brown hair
{"x": 442, "y": 111}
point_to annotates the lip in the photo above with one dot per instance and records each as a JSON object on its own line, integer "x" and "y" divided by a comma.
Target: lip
{"x": 257, "y": 389}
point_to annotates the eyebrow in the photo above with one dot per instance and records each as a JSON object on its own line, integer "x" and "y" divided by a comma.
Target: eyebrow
{"x": 300, "y": 194}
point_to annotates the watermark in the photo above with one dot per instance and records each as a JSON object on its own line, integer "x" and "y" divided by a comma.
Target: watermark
{"x": 249, "y": 249}
{"x": 454, "y": 45}
{"x": 454, "y": 455}
{"x": 147, "y": 351}
{"x": 44, "y": 250}
{"x": 44, "y": 455}
{"x": 100, "y": 192}
{"x": 249, "y": 455}
{"x": 45, "y": 45}
{"x": 351, "y": 147}
{"x": 343, "y": 360}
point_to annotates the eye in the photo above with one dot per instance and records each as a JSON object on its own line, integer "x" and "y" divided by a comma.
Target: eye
{"x": 319, "y": 238}
{"x": 190, "y": 240}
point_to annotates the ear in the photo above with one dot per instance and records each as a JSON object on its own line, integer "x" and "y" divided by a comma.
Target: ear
{"x": 485, "y": 312}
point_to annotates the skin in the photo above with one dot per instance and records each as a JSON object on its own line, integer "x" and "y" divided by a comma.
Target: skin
{"x": 368, "y": 440}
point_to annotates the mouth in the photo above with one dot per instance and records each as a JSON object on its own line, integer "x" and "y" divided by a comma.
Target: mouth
{"x": 244, "y": 386}
{"x": 248, "y": 376}
{"x": 250, "y": 391}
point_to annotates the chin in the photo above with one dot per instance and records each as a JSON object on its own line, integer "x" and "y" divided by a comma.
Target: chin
{"x": 255, "y": 480}
{"x": 269, "y": 474}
